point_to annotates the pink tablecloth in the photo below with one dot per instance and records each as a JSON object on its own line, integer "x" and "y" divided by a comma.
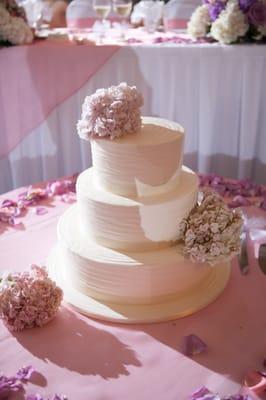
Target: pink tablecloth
{"x": 88, "y": 359}
{"x": 36, "y": 78}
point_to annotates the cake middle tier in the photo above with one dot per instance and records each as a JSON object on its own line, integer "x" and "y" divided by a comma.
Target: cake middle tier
{"x": 124, "y": 223}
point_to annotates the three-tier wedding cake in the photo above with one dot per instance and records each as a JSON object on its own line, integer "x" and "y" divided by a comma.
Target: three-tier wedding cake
{"x": 120, "y": 254}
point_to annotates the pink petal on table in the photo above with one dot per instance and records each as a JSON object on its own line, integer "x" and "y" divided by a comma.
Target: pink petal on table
{"x": 9, "y": 203}
{"x": 204, "y": 394}
{"x": 25, "y": 373}
{"x": 57, "y": 187}
{"x": 239, "y": 201}
{"x": 68, "y": 198}
{"x": 40, "y": 210}
{"x": 193, "y": 345}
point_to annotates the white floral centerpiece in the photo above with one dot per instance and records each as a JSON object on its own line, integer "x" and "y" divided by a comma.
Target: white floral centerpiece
{"x": 211, "y": 232}
{"x": 229, "y": 21}
{"x": 14, "y": 29}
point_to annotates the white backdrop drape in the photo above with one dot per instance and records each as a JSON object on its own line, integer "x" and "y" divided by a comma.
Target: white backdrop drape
{"x": 218, "y": 93}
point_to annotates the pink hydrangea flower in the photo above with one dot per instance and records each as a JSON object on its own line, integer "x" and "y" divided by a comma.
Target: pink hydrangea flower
{"x": 28, "y": 299}
{"x": 111, "y": 112}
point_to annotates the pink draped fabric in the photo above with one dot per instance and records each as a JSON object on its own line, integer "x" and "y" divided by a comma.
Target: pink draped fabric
{"x": 35, "y": 79}
{"x": 88, "y": 359}
{"x": 175, "y": 24}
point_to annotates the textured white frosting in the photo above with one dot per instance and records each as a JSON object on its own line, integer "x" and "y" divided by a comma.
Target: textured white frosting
{"x": 134, "y": 223}
{"x": 142, "y": 163}
{"x": 124, "y": 277}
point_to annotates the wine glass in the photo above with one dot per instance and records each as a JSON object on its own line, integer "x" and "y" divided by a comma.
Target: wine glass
{"x": 102, "y": 8}
{"x": 123, "y": 9}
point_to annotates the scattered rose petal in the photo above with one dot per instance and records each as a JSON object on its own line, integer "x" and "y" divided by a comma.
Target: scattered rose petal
{"x": 200, "y": 393}
{"x": 25, "y": 373}
{"x": 9, "y": 203}
{"x": 59, "y": 397}
{"x": 57, "y": 187}
{"x": 68, "y": 198}
{"x": 239, "y": 201}
{"x": 40, "y": 210}
{"x": 193, "y": 345}
{"x": 8, "y": 385}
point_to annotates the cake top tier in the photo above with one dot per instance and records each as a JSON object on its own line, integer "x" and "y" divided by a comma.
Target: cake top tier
{"x": 153, "y": 131}
{"x": 142, "y": 164}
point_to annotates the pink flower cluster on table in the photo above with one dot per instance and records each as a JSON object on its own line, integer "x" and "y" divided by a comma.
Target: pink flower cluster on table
{"x": 111, "y": 112}
{"x": 28, "y": 299}
{"x": 16, "y": 383}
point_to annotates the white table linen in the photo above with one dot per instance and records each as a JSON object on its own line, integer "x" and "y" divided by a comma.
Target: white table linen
{"x": 218, "y": 93}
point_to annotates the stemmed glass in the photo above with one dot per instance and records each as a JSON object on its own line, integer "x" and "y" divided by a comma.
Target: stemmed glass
{"x": 123, "y": 9}
{"x": 102, "y": 8}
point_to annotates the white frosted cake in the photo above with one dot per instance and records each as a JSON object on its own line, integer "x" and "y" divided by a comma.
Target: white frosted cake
{"x": 118, "y": 255}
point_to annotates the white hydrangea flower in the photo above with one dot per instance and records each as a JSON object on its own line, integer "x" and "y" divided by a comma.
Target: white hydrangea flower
{"x": 4, "y": 16}
{"x": 230, "y": 25}
{"x": 14, "y": 29}
{"x": 262, "y": 29}
{"x": 199, "y": 22}
{"x": 211, "y": 232}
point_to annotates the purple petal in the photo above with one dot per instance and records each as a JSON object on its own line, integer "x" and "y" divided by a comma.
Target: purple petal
{"x": 24, "y": 373}
{"x": 68, "y": 198}
{"x": 40, "y": 210}
{"x": 59, "y": 397}
{"x": 9, "y": 203}
{"x": 193, "y": 345}
{"x": 34, "y": 397}
{"x": 9, "y": 384}
{"x": 57, "y": 187}
{"x": 239, "y": 201}
{"x": 199, "y": 393}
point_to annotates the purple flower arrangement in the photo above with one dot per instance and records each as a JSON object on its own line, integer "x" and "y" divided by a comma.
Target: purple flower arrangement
{"x": 229, "y": 21}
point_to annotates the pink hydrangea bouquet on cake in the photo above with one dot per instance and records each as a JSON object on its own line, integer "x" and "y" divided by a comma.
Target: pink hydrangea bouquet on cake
{"x": 229, "y": 21}
{"x": 14, "y": 29}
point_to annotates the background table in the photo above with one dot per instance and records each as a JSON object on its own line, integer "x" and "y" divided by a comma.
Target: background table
{"x": 216, "y": 92}
{"x": 89, "y": 359}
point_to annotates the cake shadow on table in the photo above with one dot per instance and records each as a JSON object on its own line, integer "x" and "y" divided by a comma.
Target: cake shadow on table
{"x": 72, "y": 343}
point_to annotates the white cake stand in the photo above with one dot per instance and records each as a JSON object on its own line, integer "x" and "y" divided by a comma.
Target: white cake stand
{"x": 178, "y": 307}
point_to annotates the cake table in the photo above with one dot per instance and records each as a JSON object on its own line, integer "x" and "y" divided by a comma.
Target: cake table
{"x": 87, "y": 359}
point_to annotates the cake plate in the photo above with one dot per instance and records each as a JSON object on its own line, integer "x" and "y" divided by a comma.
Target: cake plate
{"x": 178, "y": 307}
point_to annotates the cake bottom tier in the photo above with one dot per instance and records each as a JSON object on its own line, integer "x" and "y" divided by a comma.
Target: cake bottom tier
{"x": 130, "y": 287}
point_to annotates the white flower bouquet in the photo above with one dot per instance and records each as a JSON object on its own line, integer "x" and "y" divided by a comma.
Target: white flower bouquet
{"x": 14, "y": 30}
{"x": 229, "y": 21}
